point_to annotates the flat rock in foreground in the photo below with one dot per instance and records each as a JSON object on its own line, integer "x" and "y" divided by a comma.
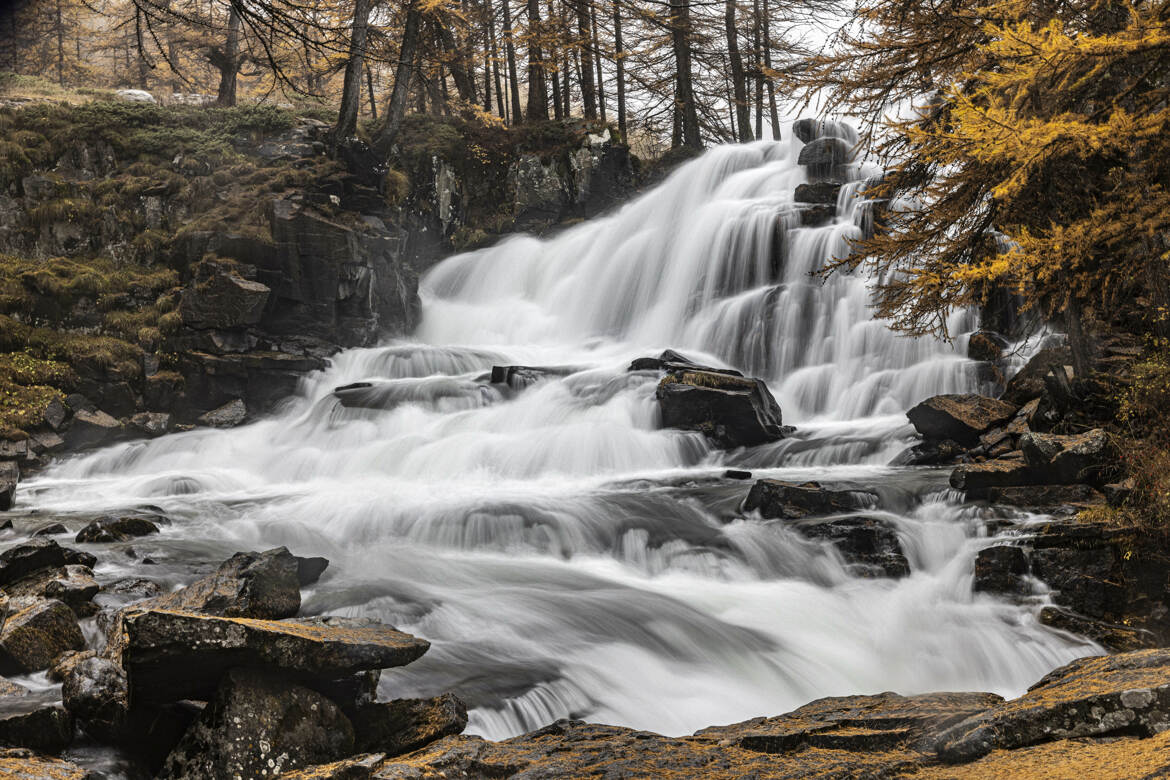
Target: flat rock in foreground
{"x": 171, "y": 655}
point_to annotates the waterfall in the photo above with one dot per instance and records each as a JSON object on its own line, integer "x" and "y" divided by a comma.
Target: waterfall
{"x": 565, "y": 555}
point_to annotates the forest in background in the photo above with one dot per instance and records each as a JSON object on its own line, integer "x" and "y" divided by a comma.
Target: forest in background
{"x": 1025, "y": 142}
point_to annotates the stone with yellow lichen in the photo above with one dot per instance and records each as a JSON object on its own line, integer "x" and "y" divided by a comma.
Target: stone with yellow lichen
{"x": 18, "y": 764}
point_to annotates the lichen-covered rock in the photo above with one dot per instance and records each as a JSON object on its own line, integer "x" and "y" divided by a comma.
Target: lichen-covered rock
{"x": 357, "y": 768}
{"x": 229, "y": 415}
{"x": 1065, "y": 459}
{"x": 729, "y": 410}
{"x": 218, "y": 297}
{"x": 24, "y": 764}
{"x": 400, "y": 726}
{"x": 35, "y": 633}
{"x": 1127, "y": 693}
{"x": 774, "y": 498}
{"x": 978, "y": 478}
{"x": 116, "y": 529}
{"x": 97, "y": 693}
{"x": 170, "y": 655}
{"x": 74, "y": 585}
{"x": 259, "y": 725}
{"x": 959, "y": 417}
{"x": 64, "y": 663}
{"x": 986, "y": 345}
{"x": 24, "y": 559}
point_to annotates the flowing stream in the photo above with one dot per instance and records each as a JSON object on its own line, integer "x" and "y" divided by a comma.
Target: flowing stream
{"x": 567, "y": 557}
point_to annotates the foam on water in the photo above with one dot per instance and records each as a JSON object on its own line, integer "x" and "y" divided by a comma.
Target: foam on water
{"x": 565, "y": 555}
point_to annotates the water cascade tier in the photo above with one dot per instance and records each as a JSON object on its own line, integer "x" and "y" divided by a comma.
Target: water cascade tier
{"x": 567, "y": 556}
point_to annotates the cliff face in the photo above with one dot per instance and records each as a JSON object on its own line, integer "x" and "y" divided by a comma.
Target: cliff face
{"x": 159, "y": 263}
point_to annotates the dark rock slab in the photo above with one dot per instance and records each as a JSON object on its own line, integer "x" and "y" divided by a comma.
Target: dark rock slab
{"x": 961, "y": 417}
{"x": 869, "y": 545}
{"x": 931, "y": 452}
{"x": 35, "y": 633}
{"x": 826, "y": 158}
{"x": 775, "y": 499}
{"x": 730, "y": 411}
{"x": 97, "y": 692}
{"x": 977, "y": 479}
{"x": 93, "y": 429}
{"x": 9, "y": 479}
{"x": 116, "y": 529}
{"x": 24, "y": 559}
{"x": 218, "y": 297}
{"x": 1081, "y": 457}
{"x": 1028, "y": 382}
{"x": 1045, "y": 495}
{"x": 259, "y": 725}
{"x": 986, "y": 345}
{"x": 171, "y": 655}
{"x": 824, "y": 192}
{"x": 1114, "y": 637}
{"x": 1128, "y": 693}
{"x": 520, "y": 377}
{"x": 73, "y": 585}
{"x": 403, "y": 725}
{"x": 229, "y": 415}
{"x": 39, "y": 727}
{"x": 1002, "y": 569}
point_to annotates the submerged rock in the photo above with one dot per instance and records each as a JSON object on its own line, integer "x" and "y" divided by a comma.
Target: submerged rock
{"x": 1001, "y": 569}
{"x": 773, "y": 498}
{"x": 171, "y": 655}
{"x": 959, "y": 417}
{"x": 259, "y": 725}
{"x": 729, "y": 410}
{"x": 116, "y": 529}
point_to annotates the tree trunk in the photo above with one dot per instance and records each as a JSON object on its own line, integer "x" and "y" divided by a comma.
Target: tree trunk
{"x": 738, "y": 79}
{"x": 558, "y": 112}
{"x": 585, "y": 45}
{"x": 1080, "y": 342}
{"x": 230, "y": 67}
{"x": 143, "y": 65}
{"x": 684, "y": 93}
{"x": 459, "y": 68}
{"x": 60, "y": 46}
{"x": 513, "y": 76}
{"x": 351, "y": 91}
{"x": 620, "y": 61}
{"x": 537, "y": 93}
{"x": 773, "y": 113}
{"x": 396, "y": 108}
{"x": 758, "y": 66}
{"x": 370, "y": 90}
{"x": 494, "y": 49}
{"x": 597, "y": 62}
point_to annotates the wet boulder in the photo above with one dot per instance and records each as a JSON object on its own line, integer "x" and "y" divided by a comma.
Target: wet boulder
{"x": 74, "y": 585}
{"x": 824, "y": 192}
{"x": 673, "y": 361}
{"x": 961, "y": 417}
{"x": 808, "y": 129}
{"x": 9, "y": 478}
{"x": 249, "y": 584}
{"x": 35, "y": 632}
{"x": 403, "y": 725}
{"x": 260, "y": 725}
{"x": 977, "y": 479}
{"x": 32, "y": 724}
{"x": 63, "y": 664}
{"x": 986, "y": 345}
{"x": 1001, "y": 569}
{"x": 931, "y": 452}
{"x": 1128, "y": 693}
{"x": 1028, "y": 383}
{"x": 97, "y": 692}
{"x": 826, "y": 158}
{"x": 110, "y": 529}
{"x": 92, "y": 429}
{"x": 229, "y": 415}
{"x": 520, "y": 377}
{"x": 152, "y": 424}
{"x": 869, "y": 545}
{"x": 1082, "y": 457}
{"x": 773, "y": 498}
{"x": 731, "y": 411}
{"x": 171, "y": 655}
{"x": 1114, "y": 637}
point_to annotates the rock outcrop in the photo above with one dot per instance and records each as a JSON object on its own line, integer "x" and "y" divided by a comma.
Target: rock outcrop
{"x": 961, "y": 418}
{"x": 731, "y": 411}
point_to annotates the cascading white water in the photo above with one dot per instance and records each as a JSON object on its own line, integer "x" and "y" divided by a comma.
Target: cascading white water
{"x": 564, "y": 554}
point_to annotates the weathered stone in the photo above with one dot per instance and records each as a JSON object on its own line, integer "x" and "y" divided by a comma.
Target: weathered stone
{"x": 869, "y": 545}
{"x": 262, "y": 585}
{"x": 1066, "y": 459}
{"x": 52, "y": 529}
{"x": 959, "y": 417}
{"x": 357, "y": 768}
{"x": 1044, "y": 495}
{"x": 730, "y": 411}
{"x": 24, "y": 559}
{"x": 1127, "y": 693}
{"x": 773, "y": 498}
{"x": 929, "y": 453}
{"x": 819, "y": 192}
{"x": 978, "y": 478}
{"x": 171, "y": 655}
{"x": 1001, "y": 569}
{"x": 229, "y": 415}
{"x": 1028, "y": 382}
{"x": 92, "y": 429}
{"x": 64, "y": 663}
{"x": 309, "y": 570}
{"x": 826, "y": 157}
{"x": 24, "y": 764}
{"x": 72, "y": 585}
{"x": 986, "y": 345}
{"x": 116, "y": 529}
{"x": 33, "y": 725}
{"x": 97, "y": 693}
{"x": 9, "y": 479}
{"x": 36, "y": 632}
{"x": 151, "y": 424}
{"x": 1112, "y": 636}
{"x": 259, "y": 725}
{"x": 218, "y": 297}
{"x": 400, "y": 726}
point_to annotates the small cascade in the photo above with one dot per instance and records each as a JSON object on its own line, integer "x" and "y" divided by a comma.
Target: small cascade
{"x": 565, "y": 554}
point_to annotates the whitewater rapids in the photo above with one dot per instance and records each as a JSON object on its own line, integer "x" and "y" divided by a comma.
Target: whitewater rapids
{"x": 564, "y": 555}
